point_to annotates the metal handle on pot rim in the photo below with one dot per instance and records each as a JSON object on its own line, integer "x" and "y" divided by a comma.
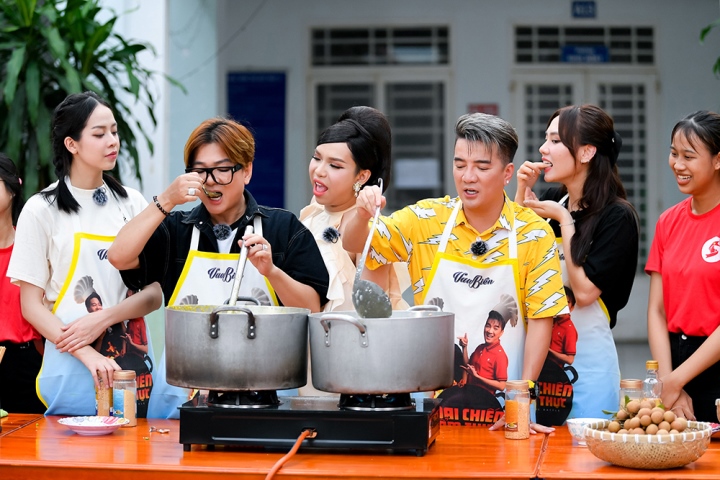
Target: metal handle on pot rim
{"x": 214, "y": 320}
{"x": 424, "y": 308}
{"x": 325, "y": 322}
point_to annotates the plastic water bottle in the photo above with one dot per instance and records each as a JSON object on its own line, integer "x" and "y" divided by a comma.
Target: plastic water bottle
{"x": 652, "y": 385}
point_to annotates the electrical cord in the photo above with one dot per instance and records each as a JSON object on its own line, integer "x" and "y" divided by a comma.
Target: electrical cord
{"x": 278, "y": 465}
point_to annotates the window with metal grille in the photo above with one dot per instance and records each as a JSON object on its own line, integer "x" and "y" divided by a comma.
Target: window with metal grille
{"x": 545, "y": 44}
{"x": 380, "y": 46}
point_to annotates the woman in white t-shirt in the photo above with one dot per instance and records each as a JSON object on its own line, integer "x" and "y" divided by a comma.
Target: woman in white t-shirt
{"x": 60, "y": 256}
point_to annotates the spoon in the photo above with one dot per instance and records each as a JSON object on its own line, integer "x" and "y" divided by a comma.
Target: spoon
{"x": 211, "y": 194}
{"x": 240, "y": 269}
{"x": 369, "y": 299}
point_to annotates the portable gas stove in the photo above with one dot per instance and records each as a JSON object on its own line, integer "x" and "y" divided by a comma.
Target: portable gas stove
{"x": 390, "y": 423}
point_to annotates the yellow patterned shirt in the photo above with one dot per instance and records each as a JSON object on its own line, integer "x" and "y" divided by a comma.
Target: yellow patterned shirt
{"x": 412, "y": 235}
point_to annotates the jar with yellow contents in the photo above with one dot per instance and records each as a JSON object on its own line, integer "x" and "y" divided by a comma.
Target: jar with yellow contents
{"x": 517, "y": 410}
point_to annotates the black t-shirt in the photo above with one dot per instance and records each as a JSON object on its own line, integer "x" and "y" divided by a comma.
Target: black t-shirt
{"x": 612, "y": 259}
{"x": 294, "y": 248}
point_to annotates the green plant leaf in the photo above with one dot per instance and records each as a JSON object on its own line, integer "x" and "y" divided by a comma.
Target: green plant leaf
{"x": 12, "y": 72}
{"x": 704, "y": 32}
{"x": 27, "y": 10}
{"x": 32, "y": 89}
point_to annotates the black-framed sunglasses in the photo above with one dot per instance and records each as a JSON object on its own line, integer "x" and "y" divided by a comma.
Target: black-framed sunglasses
{"x": 220, "y": 175}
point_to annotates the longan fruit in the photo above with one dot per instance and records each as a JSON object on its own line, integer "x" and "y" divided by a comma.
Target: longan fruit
{"x": 669, "y": 416}
{"x": 622, "y": 415}
{"x": 647, "y": 404}
{"x": 662, "y": 431}
{"x": 632, "y": 423}
{"x": 614, "y": 427}
{"x": 658, "y": 409}
{"x": 644, "y": 411}
{"x": 633, "y": 406}
{"x": 651, "y": 429}
{"x": 664, "y": 426}
{"x": 657, "y": 416}
{"x": 679, "y": 424}
{"x": 673, "y": 431}
{"x": 622, "y": 431}
{"x": 638, "y": 431}
{"x": 645, "y": 420}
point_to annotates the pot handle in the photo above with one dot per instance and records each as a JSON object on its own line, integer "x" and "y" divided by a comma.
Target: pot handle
{"x": 325, "y": 322}
{"x": 214, "y": 319}
{"x": 424, "y": 308}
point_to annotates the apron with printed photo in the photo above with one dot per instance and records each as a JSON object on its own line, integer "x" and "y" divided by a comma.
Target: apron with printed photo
{"x": 64, "y": 383}
{"x": 591, "y": 384}
{"x": 471, "y": 289}
{"x": 206, "y": 279}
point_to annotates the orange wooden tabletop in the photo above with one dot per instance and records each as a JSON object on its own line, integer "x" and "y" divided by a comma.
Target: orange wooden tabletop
{"x": 566, "y": 459}
{"x": 18, "y": 420}
{"x": 46, "y": 449}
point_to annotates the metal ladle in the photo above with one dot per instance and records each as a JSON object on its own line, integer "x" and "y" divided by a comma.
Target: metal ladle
{"x": 369, "y": 299}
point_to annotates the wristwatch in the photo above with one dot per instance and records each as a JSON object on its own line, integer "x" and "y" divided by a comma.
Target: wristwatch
{"x": 532, "y": 388}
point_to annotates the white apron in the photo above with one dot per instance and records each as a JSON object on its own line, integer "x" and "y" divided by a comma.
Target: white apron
{"x": 206, "y": 279}
{"x": 471, "y": 289}
{"x": 596, "y": 361}
{"x": 64, "y": 383}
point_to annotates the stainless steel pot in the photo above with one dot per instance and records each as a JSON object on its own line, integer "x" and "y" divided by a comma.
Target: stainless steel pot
{"x": 411, "y": 351}
{"x": 232, "y": 348}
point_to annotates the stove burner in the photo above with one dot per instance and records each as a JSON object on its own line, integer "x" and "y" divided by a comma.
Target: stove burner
{"x": 243, "y": 399}
{"x": 388, "y": 402}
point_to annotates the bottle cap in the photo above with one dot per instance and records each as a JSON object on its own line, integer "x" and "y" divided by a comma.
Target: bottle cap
{"x": 651, "y": 365}
{"x": 517, "y": 385}
{"x": 631, "y": 383}
{"x": 124, "y": 375}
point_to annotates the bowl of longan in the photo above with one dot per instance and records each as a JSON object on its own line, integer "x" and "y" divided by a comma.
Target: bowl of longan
{"x": 644, "y": 434}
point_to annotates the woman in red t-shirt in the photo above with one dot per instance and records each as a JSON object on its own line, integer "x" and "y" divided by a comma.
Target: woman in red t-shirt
{"x": 684, "y": 268}
{"x": 21, "y": 362}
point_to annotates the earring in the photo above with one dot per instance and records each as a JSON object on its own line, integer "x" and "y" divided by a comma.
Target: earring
{"x": 356, "y": 188}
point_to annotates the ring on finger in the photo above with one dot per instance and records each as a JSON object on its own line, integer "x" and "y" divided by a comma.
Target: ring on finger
{"x": 264, "y": 247}
{"x": 191, "y": 191}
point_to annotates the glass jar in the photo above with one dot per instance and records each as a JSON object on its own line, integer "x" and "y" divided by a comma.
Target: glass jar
{"x": 103, "y": 399}
{"x": 630, "y": 389}
{"x": 517, "y": 410}
{"x": 125, "y": 396}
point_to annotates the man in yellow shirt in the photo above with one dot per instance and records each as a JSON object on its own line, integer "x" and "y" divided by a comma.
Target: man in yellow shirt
{"x": 465, "y": 253}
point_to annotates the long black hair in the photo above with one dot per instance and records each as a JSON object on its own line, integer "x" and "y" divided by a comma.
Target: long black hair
{"x": 366, "y": 132}
{"x": 580, "y": 125}
{"x": 13, "y": 185}
{"x": 69, "y": 120}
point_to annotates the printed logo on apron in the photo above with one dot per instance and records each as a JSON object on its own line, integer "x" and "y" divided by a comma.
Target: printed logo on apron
{"x": 489, "y": 326}
{"x": 206, "y": 279}
{"x": 580, "y": 379}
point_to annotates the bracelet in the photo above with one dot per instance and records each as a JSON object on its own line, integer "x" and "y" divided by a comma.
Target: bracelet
{"x": 567, "y": 224}
{"x": 157, "y": 204}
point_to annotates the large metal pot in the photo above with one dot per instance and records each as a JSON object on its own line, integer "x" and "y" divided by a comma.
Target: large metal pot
{"x": 232, "y": 348}
{"x": 411, "y": 351}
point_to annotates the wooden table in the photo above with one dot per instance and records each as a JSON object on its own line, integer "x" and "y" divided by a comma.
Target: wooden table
{"x": 13, "y": 422}
{"x": 39, "y": 447}
{"x": 564, "y": 459}
{"x": 46, "y": 449}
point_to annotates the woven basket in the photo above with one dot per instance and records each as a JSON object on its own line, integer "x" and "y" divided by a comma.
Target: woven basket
{"x": 651, "y": 452}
